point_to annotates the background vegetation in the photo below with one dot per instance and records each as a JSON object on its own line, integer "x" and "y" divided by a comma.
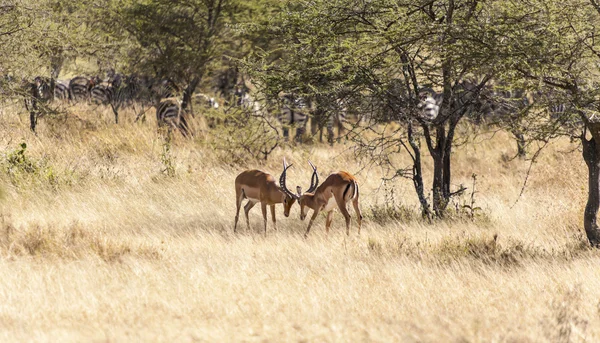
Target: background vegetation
{"x": 121, "y": 232}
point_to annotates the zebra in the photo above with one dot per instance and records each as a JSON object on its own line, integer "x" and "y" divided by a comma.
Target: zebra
{"x": 293, "y": 114}
{"x": 335, "y": 120}
{"x": 61, "y": 91}
{"x": 168, "y": 105}
{"x": 506, "y": 107}
{"x": 227, "y": 82}
{"x": 465, "y": 100}
{"x": 125, "y": 91}
{"x": 205, "y": 100}
{"x": 101, "y": 93}
{"x": 80, "y": 87}
{"x": 502, "y": 104}
{"x": 37, "y": 93}
{"x": 330, "y": 118}
{"x": 429, "y": 104}
{"x": 170, "y": 114}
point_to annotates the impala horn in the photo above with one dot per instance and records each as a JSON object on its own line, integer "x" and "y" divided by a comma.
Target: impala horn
{"x": 282, "y": 181}
{"x": 314, "y": 180}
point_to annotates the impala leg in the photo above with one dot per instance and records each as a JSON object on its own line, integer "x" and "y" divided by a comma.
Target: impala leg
{"x": 358, "y": 213}
{"x": 342, "y": 205}
{"x": 263, "y": 207}
{"x": 273, "y": 217}
{"x": 312, "y": 219}
{"x": 247, "y": 209}
{"x": 328, "y": 221}
{"x": 238, "y": 205}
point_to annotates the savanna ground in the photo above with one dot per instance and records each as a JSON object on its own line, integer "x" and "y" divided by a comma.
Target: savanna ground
{"x": 99, "y": 243}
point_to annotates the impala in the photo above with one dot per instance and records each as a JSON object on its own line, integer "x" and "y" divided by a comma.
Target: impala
{"x": 258, "y": 186}
{"x": 337, "y": 190}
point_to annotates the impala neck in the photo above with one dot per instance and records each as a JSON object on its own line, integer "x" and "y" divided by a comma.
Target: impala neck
{"x": 281, "y": 194}
{"x": 311, "y": 200}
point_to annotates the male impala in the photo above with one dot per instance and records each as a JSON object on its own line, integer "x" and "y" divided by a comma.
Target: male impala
{"x": 338, "y": 189}
{"x": 258, "y": 186}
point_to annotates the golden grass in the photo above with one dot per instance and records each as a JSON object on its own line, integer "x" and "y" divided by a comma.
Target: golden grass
{"x": 98, "y": 243}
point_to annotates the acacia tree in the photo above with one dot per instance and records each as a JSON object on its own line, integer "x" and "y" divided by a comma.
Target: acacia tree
{"x": 558, "y": 51}
{"x": 36, "y": 37}
{"x": 383, "y": 54}
{"x": 171, "y": 39}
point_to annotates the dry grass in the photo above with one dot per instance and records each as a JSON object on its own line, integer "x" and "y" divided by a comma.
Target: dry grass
{"x": 97, "y": 242}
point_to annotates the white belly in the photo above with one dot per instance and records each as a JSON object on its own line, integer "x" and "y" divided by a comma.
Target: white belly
{"x": 331, "y": 204}
{"x": 253, "y": 200}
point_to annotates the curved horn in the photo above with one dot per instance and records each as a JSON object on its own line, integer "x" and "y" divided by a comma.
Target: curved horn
{"x": 314, "y": 180}
{"x": 282, "y": 180}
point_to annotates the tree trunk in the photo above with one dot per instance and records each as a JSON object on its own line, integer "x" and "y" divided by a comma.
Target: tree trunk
{"x": 188, "y": 92}
{"x": 185, "y": 106}
{"x": 439, "y": 159}
{"x": 418, "y": 174}
{"x": 438, "y": 184}
{"x": 33, "y": 109}
{"x": 521, "y": 153}
{"x": 56, "y": 64}
{"x": 591, "y": 155}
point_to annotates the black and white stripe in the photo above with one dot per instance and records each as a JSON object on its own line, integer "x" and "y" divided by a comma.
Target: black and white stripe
{"x": 294, "y": 114}
{"x": 430, "y": 102}
{"x": 168, "y": 105}
{"x": 61, "y": 91}
{"x": 119, "y": 92}
{"x": 36, "y": 94}
{"x": 170, "y": 114}
{"x": 465, "y": 100}
{"x": 80, "y": 87}
{"x": 101, "y": 94}
{"x": 502, "y": 105}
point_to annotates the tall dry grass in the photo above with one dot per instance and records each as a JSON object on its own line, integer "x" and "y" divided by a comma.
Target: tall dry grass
{"x": 98, "y": 242}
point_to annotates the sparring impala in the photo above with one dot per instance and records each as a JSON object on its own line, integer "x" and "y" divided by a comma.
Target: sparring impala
{"x": 337, "y": 190}
{"x": 258, "y": 186}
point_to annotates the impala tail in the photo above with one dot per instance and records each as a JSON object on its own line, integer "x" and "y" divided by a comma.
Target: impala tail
{"x": 354, "y": 186}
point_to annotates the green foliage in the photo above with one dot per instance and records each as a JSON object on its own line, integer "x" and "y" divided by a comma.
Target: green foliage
{"x": 38, "y": 36}
{"x": 22, "y": 170}
{"x": 18, "y": 162}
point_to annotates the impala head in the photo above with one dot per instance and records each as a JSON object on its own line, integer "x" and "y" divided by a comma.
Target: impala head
{"x": 290, "y": 198}
{"x": 301, "y": 197}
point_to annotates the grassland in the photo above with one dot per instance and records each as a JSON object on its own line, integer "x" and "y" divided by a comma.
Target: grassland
{"x": 99, "y": 243}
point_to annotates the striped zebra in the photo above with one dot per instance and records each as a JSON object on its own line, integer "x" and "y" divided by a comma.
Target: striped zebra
{"x": 336, "y": 120}
{"x": 503, "y": 106}
{"x": 205, "y": 100}
{"x": 241, "y": 96}
{"x": 465, "y": 100}
{"x": 132, "y": 90}
{"x": 168, "y": 105}
{"x": 61, "y": 91}
{"x": 80, "y": 88}
{"x": 101, "y": 93}
{"x": 330, "y": 115}
{"x": 429, "y": 104}
{"x": 170, "y": 114}
{"x": 294, "y": 114}
{"x": 506, "y": 107}
{"x": 36, "y": 95}
{"x": 118, "y": 92}
{"x": 557, "y": 110}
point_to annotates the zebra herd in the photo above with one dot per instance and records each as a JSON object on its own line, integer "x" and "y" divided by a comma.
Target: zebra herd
{"x": 493, "y": 106}
{"x": 117, "y": 91}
